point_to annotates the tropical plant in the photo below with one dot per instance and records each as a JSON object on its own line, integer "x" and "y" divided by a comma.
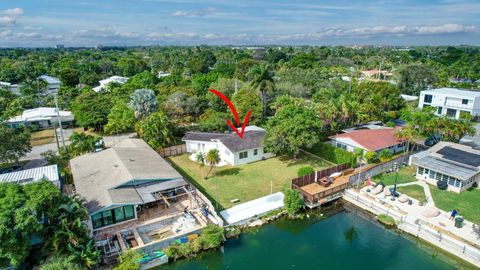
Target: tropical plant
{"x": 213, "y": 159}
{"x": 156, "y": 130}
{"x": 91, "y": 109}
{"x": 15, "y": 143}
{"x": 120, "y": 119}
{"x": 293, "y": 201}
{"x": 384, "y": 155}
{"x": 129, "y": 260}
{"x": 81, "y": 143}
{"x": 61, "y": 263}
{"x": 200, "y": 159}
{"x": 371, "y": 156}
{"x": 262, "y": 80}
{"x": 305, "y": 170}
{"x": 143, "y": 102}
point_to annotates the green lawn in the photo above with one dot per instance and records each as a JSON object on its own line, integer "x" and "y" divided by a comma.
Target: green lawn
{"x": 244, "y": 182}
{"x": 405, "y": 175}
{"x": 413, "y": 191}
{"x": 466, "y": 202}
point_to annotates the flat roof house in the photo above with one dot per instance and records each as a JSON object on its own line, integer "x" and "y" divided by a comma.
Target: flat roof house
{"x": 12, "y": 88}
{"x": 114, "y": 79}
{"x": 369, "y": 140}
{"x": 135, "y": 198}
{"x": 42, "y": 117}
{"x": 452, "y": 102}
{"x": 457, "y": 165}
{"x": 48, "y": 173}
{"x": 232, "y": 149}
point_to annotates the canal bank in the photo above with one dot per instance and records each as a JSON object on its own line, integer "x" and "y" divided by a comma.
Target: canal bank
{"x": 337, "y": 240}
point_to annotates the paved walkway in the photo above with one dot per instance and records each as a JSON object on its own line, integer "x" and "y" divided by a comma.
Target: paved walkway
{"x": 469, "y": 232}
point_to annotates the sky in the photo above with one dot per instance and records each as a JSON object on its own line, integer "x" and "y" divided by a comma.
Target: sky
{"x": 45, "y": 23}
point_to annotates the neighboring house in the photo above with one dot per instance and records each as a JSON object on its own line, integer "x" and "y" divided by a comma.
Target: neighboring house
{"x": 369, "y": 140}
{"x": 49, "y": 173}
{"x": 162, "y": 74}
{"x": 472, "y": 141}
{"x": 458, "y": 165}
{"x": 459, "y": 80}
{"x": 376, "y": 74}
{"x": 53, "y": 84}
{"x": 232, "y": 149}
{"x": 104, "y": 83}
{"x": 43, "y": 117}
{"x": 408, "y": 98}
{"x": 12, "y": 88}
{"x": 452, "y": 102}
{"x": 129, "y": 186}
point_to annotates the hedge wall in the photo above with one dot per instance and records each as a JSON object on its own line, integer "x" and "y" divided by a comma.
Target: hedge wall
{"x": 334, "y": 154}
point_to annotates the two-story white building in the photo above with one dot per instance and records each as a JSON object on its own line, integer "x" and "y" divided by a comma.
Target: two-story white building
{"x": 104, "y": 83}
{"x": 452, "y": 102}
{"x": 53, "y": 84}
{"x": 232, "y": 149}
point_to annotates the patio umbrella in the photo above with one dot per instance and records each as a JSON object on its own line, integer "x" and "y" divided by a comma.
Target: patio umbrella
{"x": 369, "y": 181}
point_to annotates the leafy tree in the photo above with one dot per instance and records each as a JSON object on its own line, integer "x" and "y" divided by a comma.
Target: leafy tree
{"x": 292, "y": 128}
{"x": 262, "y": 80}
{"x": 61, "y": 263}
{"x": 371, "y": 156}
{"x": 91, "y": 109}
{"x": 293, "y": 201}
{"x": 156, "y": 130}
{"x": 15, "y": 143}
{"x": 212, "y": 158}
{"x": 69, "y": 77}
{"x": 143, "y": 102}
{"x": 81, "y": 143}
{"x": 305, "y": 170}
{"x": 247, "y": 100}
{"x": 129, "y": 260}
{"x": 66, "y": 95}
{"x": 414, "y": 78}
{"x": 385, "y": 155}
{"x": 120, "y": 119}
{"x": 212, "y": 120}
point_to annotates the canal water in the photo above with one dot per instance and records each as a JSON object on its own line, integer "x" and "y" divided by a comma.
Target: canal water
{"x": 344, "y": 240}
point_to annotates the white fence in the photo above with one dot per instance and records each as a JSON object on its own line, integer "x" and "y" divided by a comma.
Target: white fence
{"x": 417, "y": 228}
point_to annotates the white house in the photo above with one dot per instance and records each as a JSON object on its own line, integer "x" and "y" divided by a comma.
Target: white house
{"x": 233, "y": 150}
{"x": 53, "y": 84}
{"x": 49, "y": 173}
{"x": 368, "y": 140}
{"x": 114, "y": 79}
{"x": 12, "y": 88}
{"x": 451, "y": 101}
{"x": 162, "y": 74}
{"x": 457, "y": 165}
{"x": 43, "y": 117}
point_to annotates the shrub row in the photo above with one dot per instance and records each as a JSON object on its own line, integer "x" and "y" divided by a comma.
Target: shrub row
{"x": 334, "y": 154}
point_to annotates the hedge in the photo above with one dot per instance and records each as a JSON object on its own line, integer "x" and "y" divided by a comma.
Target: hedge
{"x": 334, "y": 154}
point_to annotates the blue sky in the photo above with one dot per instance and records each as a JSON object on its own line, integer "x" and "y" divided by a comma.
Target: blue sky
{"x": 39, "y": 23}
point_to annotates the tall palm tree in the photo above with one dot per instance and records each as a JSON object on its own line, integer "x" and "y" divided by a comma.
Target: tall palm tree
{"x": 212, "y": 158}
{"x": 200, "y": 159}
{"x": 408, "y": 134}
{"x": 262, "y": 80}
{"x": 81, "y": 143}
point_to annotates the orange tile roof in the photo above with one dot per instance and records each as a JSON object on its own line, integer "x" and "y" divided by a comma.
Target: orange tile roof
{"x": 372, "y": 139}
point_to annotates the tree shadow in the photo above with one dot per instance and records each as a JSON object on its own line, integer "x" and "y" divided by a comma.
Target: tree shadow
{"x": 230, "y": 171}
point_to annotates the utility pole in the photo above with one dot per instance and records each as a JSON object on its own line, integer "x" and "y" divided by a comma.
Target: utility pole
{"x": 56, "y": 136}
{"x": 60, "y": 123}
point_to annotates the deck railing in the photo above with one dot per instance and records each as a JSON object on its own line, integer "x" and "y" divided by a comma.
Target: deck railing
{"x": 310, "y": 178}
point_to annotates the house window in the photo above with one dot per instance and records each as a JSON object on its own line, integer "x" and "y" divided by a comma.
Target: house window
{"x": 255, "y": 152}
{"x": 113, "y": 216}
{"x": 243, "y": 155}
{"x": 439, "y": 110}
{"x": 431, "y": 175}
{"x": 427, "y": 99}
{"x": 420, "y": 170}
{"x": 465, "y": 101}
{"x": 342, "y": 146}
{"x": 438, "y": 176}
{"x": 457, "y": 183}
{"x": 451, "y": 112}
{"x": 451, "y": 181}
{"x": 426, "y": 171}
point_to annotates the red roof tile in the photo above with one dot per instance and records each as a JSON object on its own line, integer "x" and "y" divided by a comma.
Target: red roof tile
{"x": 372, "y": 139}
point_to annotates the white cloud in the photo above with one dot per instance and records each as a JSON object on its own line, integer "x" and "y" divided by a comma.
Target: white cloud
{"x": 8, "y": 17}
{"x": 195, "y": 13}
{"x": 12, "y": 11}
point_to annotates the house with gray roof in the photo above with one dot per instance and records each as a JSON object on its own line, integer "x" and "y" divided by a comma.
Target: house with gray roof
{"x": 232, "y": 149}
{"x": 455, "y": 164}
{"x": 48, "y": 173}
{"x": 119, "y": 181}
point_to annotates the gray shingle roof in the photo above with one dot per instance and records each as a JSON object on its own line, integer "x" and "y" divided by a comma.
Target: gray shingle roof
{"x": 462, "y": 172}
{"x": 97, "y": 174}
{"x": 251, "y": 139}
{"x": 203, "y": 136}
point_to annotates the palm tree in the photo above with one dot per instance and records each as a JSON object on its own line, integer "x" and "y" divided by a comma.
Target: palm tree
{"x": 262, "y": 80}
{"x": 212, "y": 158}
{"x": 200, "y": 159}
{"x": 81, "y": 143}
{"x": 408, "y": 134}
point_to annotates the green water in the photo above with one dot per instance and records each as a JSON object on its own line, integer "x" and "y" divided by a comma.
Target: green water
{"x": 342, "y": 241}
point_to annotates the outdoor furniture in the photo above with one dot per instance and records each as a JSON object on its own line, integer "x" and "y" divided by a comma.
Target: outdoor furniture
{"x": 387, "y": 192}
{"x": 403, "y": 198}
{"x": 377, "y": 190}
{"x": 431, "y": 212}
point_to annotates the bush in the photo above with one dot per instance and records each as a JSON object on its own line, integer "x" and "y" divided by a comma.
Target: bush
{"x": 305, "y": 170}
{"x": 129, "y": 260}
{"x": 334, "y": 154}
{"x": 371, "y": 157}
{"x": 385, "y": 155}
{"x": 293, "y": 201}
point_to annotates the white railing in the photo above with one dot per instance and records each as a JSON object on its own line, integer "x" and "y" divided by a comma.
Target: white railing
{"x": 459, "y": 105}
{"x": 422, "y": 230}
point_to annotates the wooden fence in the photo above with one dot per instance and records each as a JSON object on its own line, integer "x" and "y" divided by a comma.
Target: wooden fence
{"x": 310, "y": 178}
{"x": 173, "y": 150}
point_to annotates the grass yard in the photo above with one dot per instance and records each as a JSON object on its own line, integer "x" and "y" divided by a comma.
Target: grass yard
{"x": 413, "y": 191}
{"x": 42, "y": 137}
{"x": 405, "y": 175}
{"x": 466, "y": 202}
{"x": 244, "y": 182}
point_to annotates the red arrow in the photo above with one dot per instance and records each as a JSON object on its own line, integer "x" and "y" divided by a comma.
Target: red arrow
{"x": 235, "y": 114}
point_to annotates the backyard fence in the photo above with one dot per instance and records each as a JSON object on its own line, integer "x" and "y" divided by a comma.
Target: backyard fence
{"x": 418, "y": 228}
{"x": 173, "y": 150}
{"x": 359, "y": 178}
{"x": 310, "y": 178}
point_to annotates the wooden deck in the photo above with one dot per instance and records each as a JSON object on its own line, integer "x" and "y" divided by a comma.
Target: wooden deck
{"x": 315, "y": 188}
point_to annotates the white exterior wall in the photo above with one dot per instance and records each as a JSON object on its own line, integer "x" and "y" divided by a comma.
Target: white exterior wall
{"x": 200, "y": 146}
{"x": 450, "y": 102}
{"x": 225, "y": 154}
{"x": 426, "y": 178}
{"x": 352, "y": 145}
{"x": 251, "y": 157}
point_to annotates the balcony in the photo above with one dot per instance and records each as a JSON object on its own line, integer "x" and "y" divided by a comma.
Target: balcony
{"x": 457, "y": 105}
